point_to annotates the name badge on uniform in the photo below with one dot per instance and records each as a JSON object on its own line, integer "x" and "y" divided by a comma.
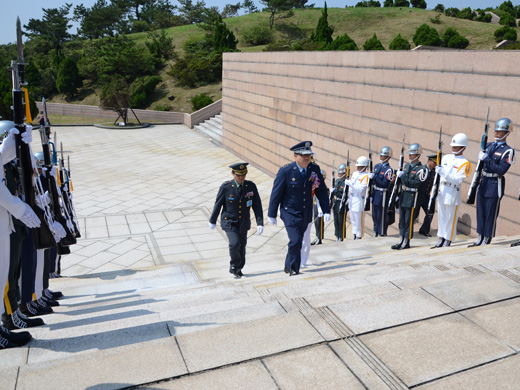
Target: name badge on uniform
{"x": 249, "y": 203}
{"x": 231, "y": 198}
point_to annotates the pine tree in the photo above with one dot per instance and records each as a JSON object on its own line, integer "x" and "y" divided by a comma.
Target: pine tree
{"x": 323, "y": 30}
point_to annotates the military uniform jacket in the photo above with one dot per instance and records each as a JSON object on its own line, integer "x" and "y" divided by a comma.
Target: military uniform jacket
{"x": 236, "y": 208}
{"x": 412, "y": 184}
{"x": 337, "y": 193}
{"x": 293, "y": 194}
{"x": 382, "y": 180}
{"x": 497, "y": 163}
{"x": 455, "y": 170}
{"x": 358, "y": 191}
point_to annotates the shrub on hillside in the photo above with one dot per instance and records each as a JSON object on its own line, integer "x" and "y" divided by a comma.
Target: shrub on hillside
{"x": 452, "y": 39}
{"x": 257, "y": 34}
{"x": 426, "y": 35}
{"x": 399, "y": 43}
{"x": 505, "y": 32}
{"x": 68, "y": 80}
{"x": 200, "y": 101}
{"x": 141, "y": 89}
{"x": 342, "y": 42}
{"x": 373, "y": 44}
{"x": 507, "y": 20}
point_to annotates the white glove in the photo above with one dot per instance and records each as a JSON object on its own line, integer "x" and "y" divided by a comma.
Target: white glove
{"x": 259, "y": 230}
{"x": 482, "y": 155}
{"x": 371, "y": 175}
{"x": 59, "y": 231}
{"x": 348, "y": 182}
{"x": 27, "y": 135}
{"x": 211, "y": 225}
{"x": 53, "y": 173}
{"x": 29, "y": 218}
{"x": 399, "y": 173}
{"x": 66, "y": 188}
{"x": 272, "y": 221}
{"x": 326, "y": 217}
{"x": 440, "y": 170}
{"x": 320, "y": 212}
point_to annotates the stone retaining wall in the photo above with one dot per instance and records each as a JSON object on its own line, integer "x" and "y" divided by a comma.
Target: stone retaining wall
{"x": 343, "y": 100}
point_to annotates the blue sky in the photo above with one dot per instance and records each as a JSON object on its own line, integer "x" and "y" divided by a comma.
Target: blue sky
{"x": 27, "y": 9}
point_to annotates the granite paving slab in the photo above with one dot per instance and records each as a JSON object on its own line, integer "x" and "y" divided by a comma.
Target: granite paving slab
{"x": 107, "y": 369}
{"x": 248, "y": 340}
{"x": 14, "y": 356}
{"x": 431, "y": 349}
{"x": 383, "y": 311}
{"x": 9, "y": 377}
{"x": 477, "y": 290}
{"x": 250, "y": 376}
{"x": 500, "y": 319}
{"x": 503, "y": 374}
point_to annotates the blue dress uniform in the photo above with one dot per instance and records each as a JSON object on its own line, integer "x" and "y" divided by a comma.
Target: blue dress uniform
{"x": 236, "y": 204}
{"x": 499, "y": 158}
{"x": 292, "y": 193}
{"x": 381, "y": 186}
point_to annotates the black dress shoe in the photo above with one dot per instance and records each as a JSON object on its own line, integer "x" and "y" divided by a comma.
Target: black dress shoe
{"x": 239, "y": 273}
{"x": 18, "y": 338}
{"x": 376, "y": 234}
{"x": 425, "y": 234}
{"x": 232, "y": 270}
{"x": 50, "y": 302}
{"x": 18, "y": 320}
{"x": 286, "y": 270}
{"x": 446, "y": 243}
{"x": 404, "y": 245}
{"x": 439, "y": 243}
{"x": 316, "y": 241}
{"x": 293, "y": 272}
{"x": 486, "y": 241}
{"x": 478, "y": 242}
{"x": 397, "y": 246}
{"x": 515, "y": 243}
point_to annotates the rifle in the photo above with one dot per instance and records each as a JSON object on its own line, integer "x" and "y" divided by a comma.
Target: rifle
{"x": 477, "y": 176}
{"x": 436, "y": 180}
{"x": 343, "y": 203}
{"x": 57, "y": 202}
{"x": 66, "y": 188}
{"x": 369, "y": 184}
{"x": 332, "y": 183}
{"x": 30, "y": 186}
{"x": 397, "y": 185}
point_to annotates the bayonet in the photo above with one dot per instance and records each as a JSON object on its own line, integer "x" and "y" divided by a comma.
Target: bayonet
{"x": 477, "y": 176}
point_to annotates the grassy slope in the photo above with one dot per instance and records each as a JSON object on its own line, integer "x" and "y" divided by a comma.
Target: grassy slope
{"x": 359, "y": 23}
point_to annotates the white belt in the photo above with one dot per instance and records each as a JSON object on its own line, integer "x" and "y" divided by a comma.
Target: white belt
{"x": 490, "y": 174}
{"x": 379, "y": 188}
{"x": 448, "y": 184}
{"x": 405, "y": 188}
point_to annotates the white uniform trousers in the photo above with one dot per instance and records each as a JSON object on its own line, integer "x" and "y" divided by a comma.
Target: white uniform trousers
{"x": 447, "y": 217}
{"x": 38, "y": 278}
{"x": 306, "y": 246}
{"x": 357, "y": 222}
{"x": 5, "y": 245}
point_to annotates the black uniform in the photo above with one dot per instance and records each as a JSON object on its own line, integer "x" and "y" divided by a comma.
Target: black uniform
{"x": 424, "y": 199}
{"x": 235, "y": 220}
{"x": 339, "y": 216}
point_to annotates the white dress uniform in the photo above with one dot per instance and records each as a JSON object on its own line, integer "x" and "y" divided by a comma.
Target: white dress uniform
{"x": 454, "y": 170}
{"x": 356, "y": 197}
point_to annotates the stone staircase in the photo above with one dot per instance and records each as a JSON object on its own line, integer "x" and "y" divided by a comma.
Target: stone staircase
{"x": 362, "y": 316}
{"x": 211, "y": 128}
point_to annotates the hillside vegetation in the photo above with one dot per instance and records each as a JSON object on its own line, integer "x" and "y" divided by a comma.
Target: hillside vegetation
{"x": 359, "y": 23}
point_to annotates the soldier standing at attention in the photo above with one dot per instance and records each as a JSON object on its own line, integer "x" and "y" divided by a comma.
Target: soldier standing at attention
{"x": 358, "y": 184}
{"x": 339, "y": 212}
{"x": 235, "y": 198}
{"x": 497, "y": 158}
{"x": 382, "y": 180}
{"x": 424, "y": 196}
{"x": 292, "y": 193}
{"x": 412, "y": 178}
{"x": 453, "y": 170}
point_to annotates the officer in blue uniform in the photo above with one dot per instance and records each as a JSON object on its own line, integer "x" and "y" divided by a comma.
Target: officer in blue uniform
{"x": 497, "y": 159}
{"x": 292, "y": 192}
{"x": 236, "y": 198}
{"x": 382, "y": 187}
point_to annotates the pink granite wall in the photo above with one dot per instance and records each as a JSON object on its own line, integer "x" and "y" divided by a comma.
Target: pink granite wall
{"x": 342, "y": 100}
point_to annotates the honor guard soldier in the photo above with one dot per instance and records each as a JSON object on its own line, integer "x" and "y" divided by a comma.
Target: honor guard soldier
{"x": 425, "y": 196}
{"x": 319, "y": 224}
{"x": 339, "y": 212}
{"x": 236, "y": 198}
{"x": 412, "y": 178}
{"x": 497, "y": 159}
{"x": 292, "y": 193}
{"x": 453, "y": 170}
{"x": 358, "y": 185}
{"x": 382, "y": 179}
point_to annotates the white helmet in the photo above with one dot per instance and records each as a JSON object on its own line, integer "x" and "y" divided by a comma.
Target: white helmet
{"x": 362, "y": 162}
{"x": 459, "y": 139}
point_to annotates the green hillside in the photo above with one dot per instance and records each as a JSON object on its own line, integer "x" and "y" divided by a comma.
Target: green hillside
{"x": 359, "y": 23}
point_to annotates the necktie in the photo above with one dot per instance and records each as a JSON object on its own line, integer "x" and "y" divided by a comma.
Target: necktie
{"x": 303, "y": 173}
{"x": 239, "y": 190}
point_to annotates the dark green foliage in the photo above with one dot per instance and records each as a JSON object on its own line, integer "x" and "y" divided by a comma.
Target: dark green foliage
{"x": 279, "y": 45}
{"x": 436, "y": 19}
{"x": 507, "y": 20}
{"x": 257, "y": 34}
{"x": 452, "y": 11}
{"x": 200, "y": 101}
{"x": 115, "y": 95}
{"x": 223, "y": 39}
{"x": 483, "y": 17}
{"x": 281, "y": 7}
{"x": 452, "y": 39}
{"x": 191, "y": 13}
{"x": 141, "y": 90}
{"x": 388, "y": 3}
{"x": 160, "y": 14}
{"x": 161, "y": 107}
{"x": 194, "y": 70}
{"x": 467, "y": 13}
{"x": 68, "y": 81}
{"x": 323, "y": 31}
{"x": 342, "y": 42}
{"x": 160, "y": 46}
{"x": 100, "y": 20}
{"x": 230, "y": 10}
{"x": 52, "y": 29}
{"x": 402, "y": 3}
{"x": 370, "y": 3}
{"x": 373, "y": 44}
{"x": 249, "y": 6}
{"x": 505, "y": 33}
{"x": 425, "y": 35}
{"x": 418, "y": 4}
{"x": 439, "y": 8}
{"x": 399, "y": 43}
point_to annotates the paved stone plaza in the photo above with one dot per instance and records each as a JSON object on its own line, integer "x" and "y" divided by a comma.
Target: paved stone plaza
{"x": 150, "y": 303}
